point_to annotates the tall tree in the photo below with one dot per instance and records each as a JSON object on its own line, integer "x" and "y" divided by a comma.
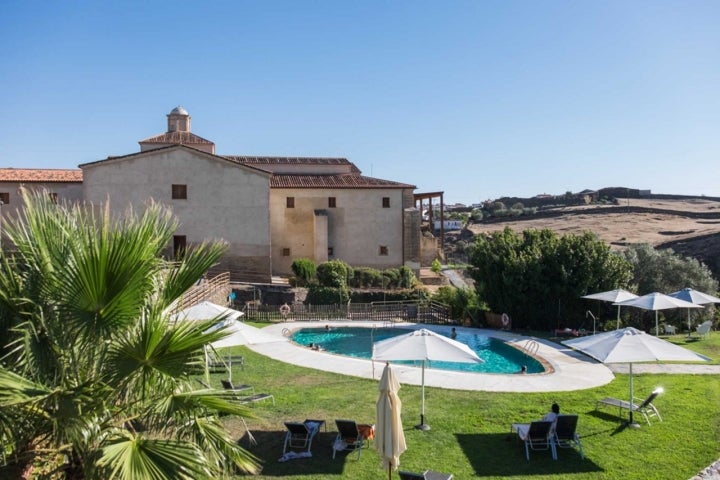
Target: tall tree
{"x": 95, "y": 382}
{"x": 538, "y": 277}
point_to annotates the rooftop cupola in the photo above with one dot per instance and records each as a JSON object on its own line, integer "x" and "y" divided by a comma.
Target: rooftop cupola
{"x": 178, "y": 120}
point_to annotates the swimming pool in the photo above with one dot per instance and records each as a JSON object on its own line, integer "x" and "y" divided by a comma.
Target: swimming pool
{"x": 498, "y": 356}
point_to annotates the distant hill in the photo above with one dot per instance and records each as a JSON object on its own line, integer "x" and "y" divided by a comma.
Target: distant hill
{"x": 688, "y": 225}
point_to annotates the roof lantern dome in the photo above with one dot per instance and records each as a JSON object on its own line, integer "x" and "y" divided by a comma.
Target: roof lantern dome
{"x": 178, "y": 120}
{"x": 179, "y": 111}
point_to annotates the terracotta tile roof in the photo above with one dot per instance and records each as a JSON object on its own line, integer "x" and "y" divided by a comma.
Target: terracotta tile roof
{"x": 260, "y": 161}
{"x": 333, "y": 181}
{"x": 182, "y": 138}
{"x": 40, "y": 175}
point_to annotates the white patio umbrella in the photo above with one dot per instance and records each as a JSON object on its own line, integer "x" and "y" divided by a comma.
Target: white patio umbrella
{"x": 423, "y": 345}
{"x": 389, "y": 434}
{"x": 613, "y": 296}
{"x": 629, "y": 345}
{"x": 693, "y": 296}
{"x": 243, "y": 334}
{"x": 207, "y": 311}
{"x": 657, "y": 301}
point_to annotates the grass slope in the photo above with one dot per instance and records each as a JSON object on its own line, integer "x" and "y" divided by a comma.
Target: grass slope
{"x": 470, "y": 435}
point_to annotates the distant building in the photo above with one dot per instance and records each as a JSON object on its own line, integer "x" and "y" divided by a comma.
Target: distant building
{"x": 449, "y": 224}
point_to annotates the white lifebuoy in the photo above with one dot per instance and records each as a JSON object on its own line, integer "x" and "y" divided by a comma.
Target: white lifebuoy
{"x": 286, "y": 332}
{"x": 284, "y": 310}
{"x": 505, "y": 319}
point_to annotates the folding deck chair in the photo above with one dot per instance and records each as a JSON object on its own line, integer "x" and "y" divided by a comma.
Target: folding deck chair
{"x": 348, "y": 437}
{"x": 566, "y": 435}
{"x": 536, "y": 436}
{"x": 646, "y": 408}
{"x": 300, "y": 434}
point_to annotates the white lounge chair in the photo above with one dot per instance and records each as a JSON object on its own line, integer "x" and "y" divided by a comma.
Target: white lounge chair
{"x": 704, "y": 328}
{"x": 669, "y": 329}
{"x": 646, "y": 408}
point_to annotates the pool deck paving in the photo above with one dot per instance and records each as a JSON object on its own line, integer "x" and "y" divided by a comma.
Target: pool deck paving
{"x": 568, "y": 371}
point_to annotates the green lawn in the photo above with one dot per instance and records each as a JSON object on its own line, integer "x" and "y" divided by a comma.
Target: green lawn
{"x": 470, "y": 430}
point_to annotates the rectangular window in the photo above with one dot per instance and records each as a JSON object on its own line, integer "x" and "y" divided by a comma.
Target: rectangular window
{"x": 179, "y": 246}
{"x": 286, "y": 252}
{"x": 383, "y": 250}
{"x": 331, "y": 202}
{"x": 386, "y": 202}
{"x": 53, "y": 197}
{"x": 331, "y": 252}
{"x": 179, "y": 192}
{"x": 290, "y": 202}
{"x": 5, "y": 197}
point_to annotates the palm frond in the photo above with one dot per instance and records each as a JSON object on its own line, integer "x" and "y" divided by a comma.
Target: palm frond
{"x": 129, "y": 457}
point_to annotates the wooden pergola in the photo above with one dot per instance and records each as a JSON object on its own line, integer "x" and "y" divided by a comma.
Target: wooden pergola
{"x": 429, "y": 196}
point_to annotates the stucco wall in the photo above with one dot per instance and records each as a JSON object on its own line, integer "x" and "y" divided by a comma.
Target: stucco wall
{"x": 356, "y": 227}
{"x": 66, "y": 192}
{"x": 224, "y": 201}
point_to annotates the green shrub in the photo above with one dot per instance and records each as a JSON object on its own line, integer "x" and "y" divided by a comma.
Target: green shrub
{"x": 333, "y": 273}
{"x": 436, "y": 266}
{"x": 305, "y": 270}
{"x": 366, "y": 277}
{"x": 323, "y": 295}
{"x": 404, "y": 295}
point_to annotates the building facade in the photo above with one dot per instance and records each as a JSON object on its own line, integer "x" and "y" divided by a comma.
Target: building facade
{"x": 268, "y": 210}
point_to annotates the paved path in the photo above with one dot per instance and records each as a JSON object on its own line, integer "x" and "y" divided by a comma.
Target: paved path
{"x": 694, "y": 369}
{"x": 568, "y": 369}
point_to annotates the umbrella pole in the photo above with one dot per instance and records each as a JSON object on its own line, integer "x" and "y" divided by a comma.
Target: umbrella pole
{"x": 422, "y": 425}
{"x": 631, "y": 423}
{"x": 618, "y": 318}
{"x": 657, "y": 327}
{"x": 207, "y": 367}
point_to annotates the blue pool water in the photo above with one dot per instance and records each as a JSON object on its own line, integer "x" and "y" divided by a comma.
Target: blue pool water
{"x": 498, "y": 356}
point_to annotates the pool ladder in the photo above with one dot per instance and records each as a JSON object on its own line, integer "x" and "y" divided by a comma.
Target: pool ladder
{"x": 531, "y": 347}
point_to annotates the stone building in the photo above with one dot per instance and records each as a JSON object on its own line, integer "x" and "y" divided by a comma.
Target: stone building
{"x": 269, "y": 210}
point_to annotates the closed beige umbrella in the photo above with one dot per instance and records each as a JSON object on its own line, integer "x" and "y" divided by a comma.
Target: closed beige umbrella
{"x": 389, "y": 435}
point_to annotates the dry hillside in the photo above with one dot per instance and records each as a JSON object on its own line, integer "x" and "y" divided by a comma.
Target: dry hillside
{"x": 690, "y": 227}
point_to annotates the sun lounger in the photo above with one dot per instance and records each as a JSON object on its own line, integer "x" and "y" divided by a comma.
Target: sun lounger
{"x": 427, "y": 475}
{"x": 258, "y": 397}
{"x": 536, "y": 436}
{"x": 349, "y": 437}
{"x": 244, "y": 397}
{"x": 228, "y": 385}
{"x": 300, "y": 435}
{"x": 646, "y": 408}
{"x": 566, "y": 435}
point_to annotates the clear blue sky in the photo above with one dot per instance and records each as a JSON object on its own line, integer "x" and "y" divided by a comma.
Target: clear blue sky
{"x": 479, "y": 99}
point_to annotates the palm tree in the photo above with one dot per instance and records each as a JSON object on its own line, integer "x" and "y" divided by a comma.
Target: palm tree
{"x": 95, "y": 382}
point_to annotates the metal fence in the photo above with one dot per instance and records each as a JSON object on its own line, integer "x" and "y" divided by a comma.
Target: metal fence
{"x": 420, "y": 312}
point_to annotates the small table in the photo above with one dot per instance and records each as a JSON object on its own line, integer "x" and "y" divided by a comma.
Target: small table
{"x": 367, "y": 431}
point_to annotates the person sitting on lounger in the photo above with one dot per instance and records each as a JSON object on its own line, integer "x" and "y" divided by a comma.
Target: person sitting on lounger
{"x": 553, "y": 414}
